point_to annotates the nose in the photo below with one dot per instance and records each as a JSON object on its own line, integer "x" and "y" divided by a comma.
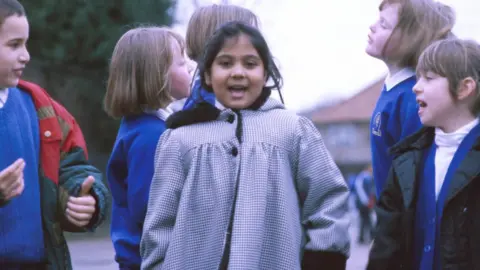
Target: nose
{"x": 238, "y": 71}
{"x": 373, "y": 27}
{"x": 417, "y": 88}
{"x": 24, "y": 56}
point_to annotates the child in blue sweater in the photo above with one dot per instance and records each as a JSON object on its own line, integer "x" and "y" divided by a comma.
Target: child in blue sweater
{"x": 403, "y": 30}
{"x": 148, "y": 71}
{"x": 201, "y": 26}
{"x": 47, "y": 185}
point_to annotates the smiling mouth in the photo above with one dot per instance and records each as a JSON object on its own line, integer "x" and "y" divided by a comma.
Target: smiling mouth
{"x": 237, "y": 91}
{"x": 18, "y": 72}
{"x": 237, "y": 88}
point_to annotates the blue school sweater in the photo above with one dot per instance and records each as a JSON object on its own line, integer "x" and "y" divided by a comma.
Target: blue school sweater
{"x": 21, "y": 231}
{"x": 198, "y": 94}
{"x": 395, "y": 117}
{"x": 129, "y": 174}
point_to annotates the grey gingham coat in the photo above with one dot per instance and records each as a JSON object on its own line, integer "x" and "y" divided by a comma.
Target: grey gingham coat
{"x": 290, "y": 194}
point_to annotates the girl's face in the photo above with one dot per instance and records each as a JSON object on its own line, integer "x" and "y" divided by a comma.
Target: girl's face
{"x": 382, "y": 38}
{"x": 180, "y": 76}
{"x": 237, "y": 75}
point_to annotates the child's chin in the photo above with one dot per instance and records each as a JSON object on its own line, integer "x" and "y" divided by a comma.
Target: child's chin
{"x": 10, "y": 83}
{"x": 425, "y": 121}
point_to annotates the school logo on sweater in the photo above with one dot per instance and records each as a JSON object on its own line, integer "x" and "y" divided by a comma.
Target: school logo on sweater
{"x": 377, "y": 124}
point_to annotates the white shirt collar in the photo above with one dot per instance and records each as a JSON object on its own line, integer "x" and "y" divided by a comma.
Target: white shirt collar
{"x": 454, "y": 138}
{"x": 3, "y": 96}
{"x": 173, "y": 107}
{"x": 392, "y": 80}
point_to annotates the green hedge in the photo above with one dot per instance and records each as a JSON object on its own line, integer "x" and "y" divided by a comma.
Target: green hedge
{"x": 83, "y": 32}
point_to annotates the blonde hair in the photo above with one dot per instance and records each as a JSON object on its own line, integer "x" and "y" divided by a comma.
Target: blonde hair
{"x": 420, "y": 22}
{"x": 139, "y": 71}
{"x": 456, "y": 60}
{"x": 205, "y": 20}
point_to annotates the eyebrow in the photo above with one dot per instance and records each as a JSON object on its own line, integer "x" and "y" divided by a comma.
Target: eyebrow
{"x": 243, "y": 56}
{"x": 16, "y": 39}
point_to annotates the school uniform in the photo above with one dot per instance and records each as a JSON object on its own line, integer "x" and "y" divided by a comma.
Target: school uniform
{"x": 38, "y": 129}
{"x": 428, "y": 214}
{"x": 395, "y": 117}
{"x": 129, "y": 174}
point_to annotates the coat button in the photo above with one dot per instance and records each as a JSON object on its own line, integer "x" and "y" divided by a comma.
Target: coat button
{"x": 231, "y": 118}
{"x": 234, "y": 151}
{"x": 47, "y": 133}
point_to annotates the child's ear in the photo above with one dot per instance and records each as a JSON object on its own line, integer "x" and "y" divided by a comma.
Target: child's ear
{"x": 466, "y": 88}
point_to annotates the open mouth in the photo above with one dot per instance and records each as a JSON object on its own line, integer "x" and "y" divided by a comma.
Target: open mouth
{"x": 237, "y": 90}
{"x": 18, "y": 72}
{"x": 421, "y": 103}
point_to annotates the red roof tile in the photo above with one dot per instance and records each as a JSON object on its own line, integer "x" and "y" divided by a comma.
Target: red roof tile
{"x": 355, "y": 109}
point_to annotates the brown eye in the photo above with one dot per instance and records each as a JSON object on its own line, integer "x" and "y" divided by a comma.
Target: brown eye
{"x": 224, "y": 63}
{"x": 251, "y": 64}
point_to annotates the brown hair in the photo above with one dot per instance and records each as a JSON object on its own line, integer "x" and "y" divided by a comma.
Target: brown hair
{"x": 9, "y": 8}
{"x": 456, "y": 60}
{"x": 420, "y": 22}
{"x": 205, "y": 20}
{"x": 139, "y": 71}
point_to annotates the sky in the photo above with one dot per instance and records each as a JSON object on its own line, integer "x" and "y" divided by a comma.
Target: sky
{"x": 320, "y": 45}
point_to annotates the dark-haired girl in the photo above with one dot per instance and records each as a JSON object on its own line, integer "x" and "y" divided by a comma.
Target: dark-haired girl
{"x": 255, "y": 188}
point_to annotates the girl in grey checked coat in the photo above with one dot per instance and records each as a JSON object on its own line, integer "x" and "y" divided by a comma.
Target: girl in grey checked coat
{"x": 249, "y": 185}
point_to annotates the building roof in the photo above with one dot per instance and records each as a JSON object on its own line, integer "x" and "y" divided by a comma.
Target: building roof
{"x": 358, "y": 108}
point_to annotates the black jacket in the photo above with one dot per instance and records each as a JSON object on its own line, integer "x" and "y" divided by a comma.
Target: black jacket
{"x": 460, "y": 224}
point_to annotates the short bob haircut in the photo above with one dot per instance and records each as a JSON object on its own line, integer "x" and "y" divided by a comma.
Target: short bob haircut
{"x": 140, "y": 70}
{"x": 233, "y": 30}
{"x": 420, "y": 22}
{"x": 456, "y": 60}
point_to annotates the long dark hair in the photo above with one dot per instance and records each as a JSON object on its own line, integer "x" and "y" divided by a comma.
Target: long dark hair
{"x": 232, "y": 30}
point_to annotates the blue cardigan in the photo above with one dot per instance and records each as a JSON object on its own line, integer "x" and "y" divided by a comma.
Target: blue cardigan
{"x": 129, "y": 173}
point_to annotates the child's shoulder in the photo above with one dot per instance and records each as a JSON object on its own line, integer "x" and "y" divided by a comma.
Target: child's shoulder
{"x": 142, "y": 124}
{"x": 405, "y": 87}
{"x": 419, "y": 140}
{"x": 288, "y": 117}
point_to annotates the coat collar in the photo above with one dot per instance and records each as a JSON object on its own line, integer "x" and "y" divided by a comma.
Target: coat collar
{"x": 408, "y": 163}
{"x": 204, "y": 111}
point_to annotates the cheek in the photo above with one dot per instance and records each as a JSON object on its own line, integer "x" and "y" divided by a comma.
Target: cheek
{"x": 218, "y": 76}
{"x": 180, "y": 80}
{"x": 390, "y": 46}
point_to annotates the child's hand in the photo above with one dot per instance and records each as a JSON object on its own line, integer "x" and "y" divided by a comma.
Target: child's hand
{"x": 81, "y": 209}
{"x": 11, "y": 180}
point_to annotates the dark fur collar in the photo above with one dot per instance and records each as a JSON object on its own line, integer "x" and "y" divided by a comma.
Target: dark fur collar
{"x": 205, "y": 112}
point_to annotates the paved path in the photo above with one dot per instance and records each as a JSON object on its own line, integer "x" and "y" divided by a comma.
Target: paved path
{"x": 96, "y": 252}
